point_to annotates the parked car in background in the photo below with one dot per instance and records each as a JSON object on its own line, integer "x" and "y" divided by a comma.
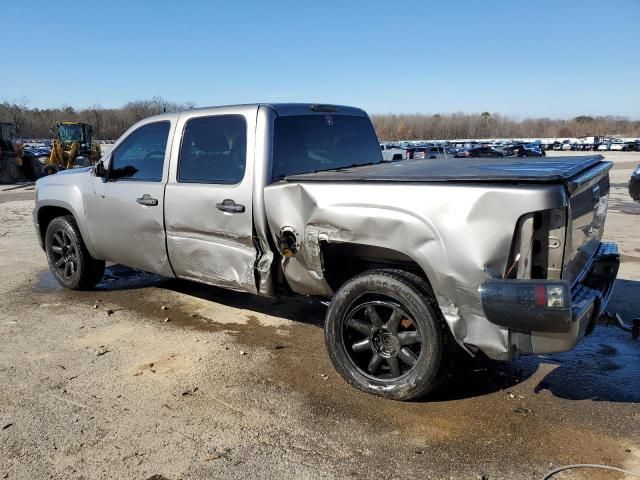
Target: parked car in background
{"x": 576, "y": 147}
{"x": 604, "y": 147}
{"x": 634, "y": 184}
{"x": 524, "y": 150}
{"x": 480, "y": 152}
{"x": 392, "y": 153}
{"x": 623, "y": 146}
{"x": 429, "y": 152}
{"x": 409, "y": 151}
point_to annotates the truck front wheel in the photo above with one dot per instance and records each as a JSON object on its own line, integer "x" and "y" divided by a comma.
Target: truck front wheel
{"x": 385, "y": 335}
{"x": 69, "y": 260}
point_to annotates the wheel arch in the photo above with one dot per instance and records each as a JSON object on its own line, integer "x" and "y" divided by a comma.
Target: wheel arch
{"x": 47, "y": 211}
{"x": 345, "y": 260}
{"x": 45, "y": 216}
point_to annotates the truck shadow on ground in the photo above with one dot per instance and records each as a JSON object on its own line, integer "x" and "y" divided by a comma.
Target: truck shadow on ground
{"x": 605, "y": 366}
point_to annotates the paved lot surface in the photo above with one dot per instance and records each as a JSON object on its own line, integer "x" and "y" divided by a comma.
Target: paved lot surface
{"x": 234, "y": 386}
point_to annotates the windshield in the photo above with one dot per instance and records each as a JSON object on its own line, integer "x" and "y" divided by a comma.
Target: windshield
{"x": 70, "y": 133}
{"x": 311, "y": 143}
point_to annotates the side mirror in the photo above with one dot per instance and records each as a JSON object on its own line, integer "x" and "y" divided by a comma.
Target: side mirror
{"x": 99, "y": 170}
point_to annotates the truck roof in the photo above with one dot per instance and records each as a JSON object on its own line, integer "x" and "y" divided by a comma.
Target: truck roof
{"x": 282, "y": 109}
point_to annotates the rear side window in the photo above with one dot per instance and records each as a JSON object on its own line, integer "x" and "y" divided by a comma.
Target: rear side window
{"x": 214, "y": 150}
{"x": 141, "y": 155}
{"x": 310, "y": 143}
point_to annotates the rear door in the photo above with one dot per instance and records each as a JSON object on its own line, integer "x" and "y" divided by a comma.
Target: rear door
{"x": 126, "y": 214}
{"x": 208, "y": 209}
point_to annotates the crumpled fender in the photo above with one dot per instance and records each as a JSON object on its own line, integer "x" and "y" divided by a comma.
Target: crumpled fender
{"x": 460, "y": 235}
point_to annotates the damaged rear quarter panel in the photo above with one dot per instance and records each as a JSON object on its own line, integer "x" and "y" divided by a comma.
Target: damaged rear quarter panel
{"x": 458, "y": 234}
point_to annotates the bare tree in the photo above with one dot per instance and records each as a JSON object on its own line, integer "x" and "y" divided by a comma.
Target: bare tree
{"x": 110, "y": 123}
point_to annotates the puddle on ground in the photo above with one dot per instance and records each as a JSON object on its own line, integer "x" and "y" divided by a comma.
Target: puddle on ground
{"x": 46, "y": 283}
{"x": 116, "y": 277}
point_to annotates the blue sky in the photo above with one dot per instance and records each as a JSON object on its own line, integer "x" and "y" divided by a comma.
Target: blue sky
{"x": 523, "y": 58}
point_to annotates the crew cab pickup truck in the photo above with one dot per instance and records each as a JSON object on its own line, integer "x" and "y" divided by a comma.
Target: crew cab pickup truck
{"x": 419, "y": 258}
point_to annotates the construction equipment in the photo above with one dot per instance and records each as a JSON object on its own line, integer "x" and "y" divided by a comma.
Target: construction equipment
{"x": 72, "y": 147}
{"x": 10, "y": 154}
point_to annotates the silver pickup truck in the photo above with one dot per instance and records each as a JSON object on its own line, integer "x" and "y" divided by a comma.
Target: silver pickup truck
{"x": 419, "y": 258}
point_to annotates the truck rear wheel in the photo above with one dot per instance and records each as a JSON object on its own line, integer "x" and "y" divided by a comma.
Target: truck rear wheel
{"x": 69, "y": 261}
{"x": 385, "y": 335}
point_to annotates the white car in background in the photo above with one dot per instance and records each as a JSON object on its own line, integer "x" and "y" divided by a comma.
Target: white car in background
{"x": 392, "y": 153}
{"x": 624, "y": 146}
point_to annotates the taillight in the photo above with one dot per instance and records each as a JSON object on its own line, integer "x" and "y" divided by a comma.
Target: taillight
{"x": 527, "y": 304}
{"x": 541, "y": 295}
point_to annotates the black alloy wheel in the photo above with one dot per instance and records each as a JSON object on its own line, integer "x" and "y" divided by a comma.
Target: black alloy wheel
{"x": 65, "y": 255}
{"x": 381, "y": 339}
{"x": 386, "y": 335}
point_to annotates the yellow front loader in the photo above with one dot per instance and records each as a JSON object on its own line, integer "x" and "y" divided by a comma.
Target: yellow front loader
{"x": 73, "y": 147}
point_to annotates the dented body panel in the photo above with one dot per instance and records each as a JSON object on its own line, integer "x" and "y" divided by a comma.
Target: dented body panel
{"x": 444, "y": 228}
{"x": 457, "y": 223}
{"x": 204, "y": 243}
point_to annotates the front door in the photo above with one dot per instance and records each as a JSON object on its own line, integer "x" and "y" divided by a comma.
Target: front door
{"x": 208, "y": 210}
{"x": 129, "y": 217}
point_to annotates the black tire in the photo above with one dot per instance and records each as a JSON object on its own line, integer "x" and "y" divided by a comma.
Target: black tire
{"x": 8, "y": 170}
{"x": 69, "y": 261}
{"x": 420, "y": 342}
{"x": 32, "y": 168}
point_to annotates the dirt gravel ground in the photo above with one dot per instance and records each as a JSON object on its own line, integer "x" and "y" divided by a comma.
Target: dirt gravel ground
{"x": 100, "y": 385}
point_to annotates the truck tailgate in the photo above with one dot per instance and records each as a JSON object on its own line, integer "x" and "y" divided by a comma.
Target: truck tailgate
{"x": 588, "y": 201}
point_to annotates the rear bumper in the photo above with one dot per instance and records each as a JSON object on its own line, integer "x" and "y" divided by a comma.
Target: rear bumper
{"x": 538, "y": 328}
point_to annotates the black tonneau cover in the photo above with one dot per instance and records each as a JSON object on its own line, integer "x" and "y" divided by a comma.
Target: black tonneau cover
{"x": 506, "y": 169}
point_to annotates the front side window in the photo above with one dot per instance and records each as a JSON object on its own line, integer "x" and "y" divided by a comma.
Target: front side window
{"x": 141, "y": 155}
{"x": 214, "y": 150}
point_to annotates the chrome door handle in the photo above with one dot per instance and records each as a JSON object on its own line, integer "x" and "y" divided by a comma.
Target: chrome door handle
{"x": 147, "y": 200}
{"x": 230, "y": 206}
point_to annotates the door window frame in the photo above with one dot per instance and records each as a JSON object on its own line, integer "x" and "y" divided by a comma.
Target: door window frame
{"x": 246, "y": 151}
{"x": 167, "y": 149}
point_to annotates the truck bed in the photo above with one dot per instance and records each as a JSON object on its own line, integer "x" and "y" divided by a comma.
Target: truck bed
{"x": 505, "y": 169}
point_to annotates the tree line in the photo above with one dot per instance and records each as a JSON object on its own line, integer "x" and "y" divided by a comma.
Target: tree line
{"x": 492, "y": 125}
{"x": 110, "y": 123}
